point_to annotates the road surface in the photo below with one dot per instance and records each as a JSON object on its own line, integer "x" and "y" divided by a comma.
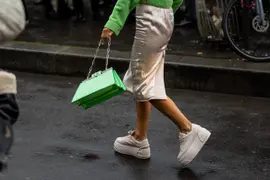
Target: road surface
{"x": 56, "y": 140}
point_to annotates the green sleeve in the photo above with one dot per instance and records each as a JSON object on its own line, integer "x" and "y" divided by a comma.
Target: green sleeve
{"x": 119, "y": 15}
{"x": 176, "y": 4}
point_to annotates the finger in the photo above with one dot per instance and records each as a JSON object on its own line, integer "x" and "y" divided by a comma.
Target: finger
{"x": 109, "y": 35}
{"x": 103, "y": 35}
{"x": 102, "y": 41}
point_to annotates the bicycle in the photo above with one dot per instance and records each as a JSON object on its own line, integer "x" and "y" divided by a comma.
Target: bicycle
{"x": 241, "y": 18}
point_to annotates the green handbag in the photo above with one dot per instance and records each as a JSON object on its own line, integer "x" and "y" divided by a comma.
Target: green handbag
{"x": 100, "y": 87}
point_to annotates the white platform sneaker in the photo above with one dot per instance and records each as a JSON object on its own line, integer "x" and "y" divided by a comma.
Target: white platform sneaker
{"x": 128, "y": 145}
{"x": 191, "y": 143}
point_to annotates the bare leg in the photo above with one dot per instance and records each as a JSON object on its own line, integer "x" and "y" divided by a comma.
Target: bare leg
{"x": 192, "y": 137}
{"x": 136, "y": 143}
{"x": 169, "y": 108}
{"x": 143, "y": 114}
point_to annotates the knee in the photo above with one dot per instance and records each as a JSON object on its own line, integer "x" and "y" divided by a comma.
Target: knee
{"x": 8, "y": 84}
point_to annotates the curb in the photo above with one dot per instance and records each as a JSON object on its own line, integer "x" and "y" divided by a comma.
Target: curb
{"x": 184, "y": 72}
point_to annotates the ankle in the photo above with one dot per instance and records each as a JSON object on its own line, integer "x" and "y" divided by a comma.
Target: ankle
{"x": 186, "y": 129}
{"x": 139, "y": 137}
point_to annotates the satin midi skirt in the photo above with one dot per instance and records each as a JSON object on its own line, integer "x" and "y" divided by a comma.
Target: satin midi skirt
{"x": 145, "y": 75}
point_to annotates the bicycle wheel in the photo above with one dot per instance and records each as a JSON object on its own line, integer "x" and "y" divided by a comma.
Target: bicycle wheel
{"x": 248, "y": 39}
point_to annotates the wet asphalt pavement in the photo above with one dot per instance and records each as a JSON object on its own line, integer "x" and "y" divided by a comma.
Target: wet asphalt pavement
{"x": 57, "y": 140}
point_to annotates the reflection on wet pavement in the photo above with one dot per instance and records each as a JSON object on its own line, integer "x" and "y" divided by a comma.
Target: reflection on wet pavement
{"x": 187, "y": 173}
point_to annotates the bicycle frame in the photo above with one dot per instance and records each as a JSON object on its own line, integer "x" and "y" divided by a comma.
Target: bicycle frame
{"x": 260, "y": 11}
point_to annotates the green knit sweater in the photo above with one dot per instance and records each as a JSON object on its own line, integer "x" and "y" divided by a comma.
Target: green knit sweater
{"x": 124, "y": 7}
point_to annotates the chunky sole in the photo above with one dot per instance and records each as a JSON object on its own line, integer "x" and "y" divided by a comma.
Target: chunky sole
{"x": 127, "y": 150}
{"x": 194, "y": 149}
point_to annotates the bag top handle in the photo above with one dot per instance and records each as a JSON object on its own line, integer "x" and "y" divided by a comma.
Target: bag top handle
{"x": 96, "y": 53}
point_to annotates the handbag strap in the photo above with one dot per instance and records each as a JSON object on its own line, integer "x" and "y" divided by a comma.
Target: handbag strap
{"x": 96, "y": 53}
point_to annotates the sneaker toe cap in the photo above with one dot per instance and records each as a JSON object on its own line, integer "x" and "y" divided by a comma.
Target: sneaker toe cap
{"x": 120, "y": 140}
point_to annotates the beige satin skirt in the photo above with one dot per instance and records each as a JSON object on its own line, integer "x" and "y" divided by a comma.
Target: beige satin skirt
{"x": 145, "y": 75}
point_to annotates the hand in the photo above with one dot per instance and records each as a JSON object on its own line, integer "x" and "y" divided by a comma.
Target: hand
{"x": 106, "y": 33}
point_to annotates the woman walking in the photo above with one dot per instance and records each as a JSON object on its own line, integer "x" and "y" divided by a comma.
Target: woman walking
{"x": 145, "y": 76}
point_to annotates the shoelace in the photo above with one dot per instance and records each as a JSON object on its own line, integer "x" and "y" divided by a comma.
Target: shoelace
{"x": 130, "y": 132}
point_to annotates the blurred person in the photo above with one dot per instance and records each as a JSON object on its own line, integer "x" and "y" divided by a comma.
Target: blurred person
{"x": 50, "y": 12}
{"x": 39, "y": 2}
{"x": 79, "y": 10}
{"x": 57, "y": 9}
{"x": 97, "y": 7}
{"x": 12, "y": 23}
{"x": 26, "y": 12}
